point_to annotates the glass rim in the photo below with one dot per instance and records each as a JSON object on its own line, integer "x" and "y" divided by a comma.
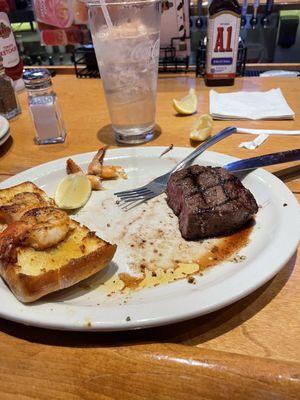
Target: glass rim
{"x": 119, "y": 2}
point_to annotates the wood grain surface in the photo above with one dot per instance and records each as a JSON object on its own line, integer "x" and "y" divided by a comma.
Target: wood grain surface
{"x": 250, "y": 348}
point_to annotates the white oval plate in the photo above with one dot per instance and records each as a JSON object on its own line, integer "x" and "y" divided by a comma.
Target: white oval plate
{"x": 274, "y": 239}
{"x": 4, "y": 126}
{"x": 4, "y": 130}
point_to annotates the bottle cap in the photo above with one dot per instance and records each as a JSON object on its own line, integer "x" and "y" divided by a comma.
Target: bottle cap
{"x": 37, "y": 78}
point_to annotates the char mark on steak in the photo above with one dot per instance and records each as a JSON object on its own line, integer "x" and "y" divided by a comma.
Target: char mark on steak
{"x": 209, "y": 202}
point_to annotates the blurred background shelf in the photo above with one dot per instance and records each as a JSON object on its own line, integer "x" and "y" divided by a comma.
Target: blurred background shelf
{"x": 20, "y": 16}
{"x": 277, "y": 42}
{"x": 278, "y": 5}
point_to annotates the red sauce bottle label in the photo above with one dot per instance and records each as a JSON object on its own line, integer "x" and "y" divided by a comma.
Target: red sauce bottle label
{"x": 222, "y": 46}
{"x": 8, "y": 47}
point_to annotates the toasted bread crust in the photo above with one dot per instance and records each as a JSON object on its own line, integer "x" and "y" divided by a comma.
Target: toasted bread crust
{"x": 7, "y": 194}
{"x": 28, "y": 288}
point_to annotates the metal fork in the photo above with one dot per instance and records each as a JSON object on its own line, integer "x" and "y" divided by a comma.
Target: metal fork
{"x": 240, "y": 165}
{"x": 134, "y": 197}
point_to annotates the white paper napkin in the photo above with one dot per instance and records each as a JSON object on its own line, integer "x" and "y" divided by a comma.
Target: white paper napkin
{"x": 253, "y": 144}
{"x": 267, "y": 131}
{"x": 250, "y": 105}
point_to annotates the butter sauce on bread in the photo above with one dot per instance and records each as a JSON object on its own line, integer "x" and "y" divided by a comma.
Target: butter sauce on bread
{"x": 32, "y": 273}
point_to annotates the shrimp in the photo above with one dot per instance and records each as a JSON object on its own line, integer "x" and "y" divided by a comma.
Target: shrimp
{"x": 95, "y": 181}
{"x": 72, "y": 167}
{"x": 111, "y": 172}
{"x": 19, "y": 204}
{"x": 97, "y": 168}
{"x": 10, "y": 238}
{"x": 48, "y": 226}
{"x": 39, "y": 228}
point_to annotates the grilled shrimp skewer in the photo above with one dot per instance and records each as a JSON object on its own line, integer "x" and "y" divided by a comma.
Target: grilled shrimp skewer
{"x": 48, "y": 226}
{"x": 39, "y": 228}
{"x": 19, "y": 204}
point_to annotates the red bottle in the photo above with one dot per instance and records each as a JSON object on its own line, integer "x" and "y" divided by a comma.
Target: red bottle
{"x": 4, "y": 6}
{"x": 222, "y": 42}
{"x": 8, "y": 49}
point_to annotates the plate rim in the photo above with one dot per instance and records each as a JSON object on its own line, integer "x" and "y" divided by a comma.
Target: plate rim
{"x": 4, "y": 127}
{"x": 150, "y": 322}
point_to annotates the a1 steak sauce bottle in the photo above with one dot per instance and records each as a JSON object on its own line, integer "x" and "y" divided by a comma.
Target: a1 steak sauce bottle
{"x": 224, "y": 20}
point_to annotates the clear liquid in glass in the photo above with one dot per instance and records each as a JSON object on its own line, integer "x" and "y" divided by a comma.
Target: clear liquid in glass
{"x": 127, "y": 56}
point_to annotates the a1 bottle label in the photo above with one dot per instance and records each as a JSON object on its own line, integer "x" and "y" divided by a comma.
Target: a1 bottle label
{"x": 222, "y": 46}
{"x": 8, "y": 47}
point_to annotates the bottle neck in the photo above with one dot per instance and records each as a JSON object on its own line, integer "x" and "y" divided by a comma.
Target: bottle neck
{"x": 217, "y": 6}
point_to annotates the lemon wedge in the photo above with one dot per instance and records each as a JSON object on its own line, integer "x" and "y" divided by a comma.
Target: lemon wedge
{"x": 188, "y": 104}
{"x": 202, "y": 128}
{"x": 73, "y": 191}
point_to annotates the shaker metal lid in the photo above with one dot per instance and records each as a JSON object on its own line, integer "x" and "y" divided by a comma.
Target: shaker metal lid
{"x": 36, "y": 78}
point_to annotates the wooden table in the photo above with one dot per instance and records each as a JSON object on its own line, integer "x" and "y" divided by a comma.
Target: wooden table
{"x": 249, "y": 349}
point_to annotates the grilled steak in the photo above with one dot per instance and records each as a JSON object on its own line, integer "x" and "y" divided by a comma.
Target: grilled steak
{"x": 209, "y": 202}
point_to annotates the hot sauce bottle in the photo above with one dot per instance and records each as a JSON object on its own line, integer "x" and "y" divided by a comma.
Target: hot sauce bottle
{"x": 222, "y": 42}
{"x": 8, "y": 49}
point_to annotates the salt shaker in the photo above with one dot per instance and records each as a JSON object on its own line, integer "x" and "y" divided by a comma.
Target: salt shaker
{"x": 9, "y": 106}
{"x": 44, "y": 107}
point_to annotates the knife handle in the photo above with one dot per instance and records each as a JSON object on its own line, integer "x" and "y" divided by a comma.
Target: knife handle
{"x": 263, "y": 161}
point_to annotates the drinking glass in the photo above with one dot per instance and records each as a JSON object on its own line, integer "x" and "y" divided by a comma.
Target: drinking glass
{"x": 125, "y": 35}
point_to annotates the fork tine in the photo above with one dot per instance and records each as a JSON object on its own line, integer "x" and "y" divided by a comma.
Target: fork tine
{"x": 125, "y": 205}
{"x": 131, "y": 190}
{"x": 133, "y": 195}
{"x": 127, "y": 202}
{"x": 135, "y": 204}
